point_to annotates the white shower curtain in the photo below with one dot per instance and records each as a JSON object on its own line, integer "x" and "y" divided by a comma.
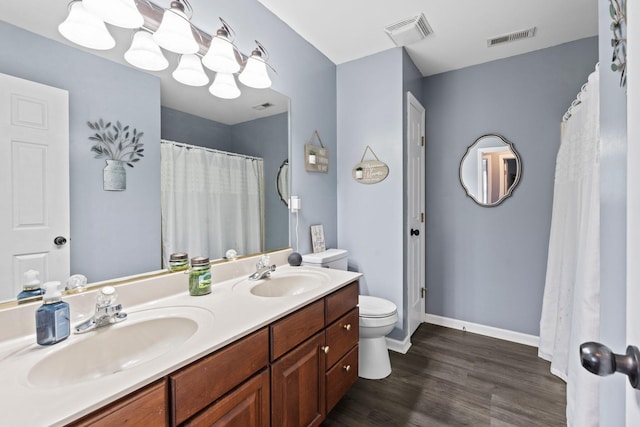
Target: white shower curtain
{"x": 571, "y": 304}
{"x": 212, "y": 201}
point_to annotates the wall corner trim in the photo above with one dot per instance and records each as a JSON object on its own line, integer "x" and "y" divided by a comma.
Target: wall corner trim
{"x": 490, "y": 331}
{"x": 399, "y": 346}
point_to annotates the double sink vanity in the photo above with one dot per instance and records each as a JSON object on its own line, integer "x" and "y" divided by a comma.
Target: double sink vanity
{"x": 278, "y": 351}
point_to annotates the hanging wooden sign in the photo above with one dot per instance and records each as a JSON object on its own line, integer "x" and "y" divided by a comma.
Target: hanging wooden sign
{"x": 370, "y": 171}
{"x": 316, "y": 158}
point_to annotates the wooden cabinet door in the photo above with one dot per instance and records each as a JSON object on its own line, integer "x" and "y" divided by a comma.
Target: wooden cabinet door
{"x": 298, "y": 385}
{"x": 246, "y": 406}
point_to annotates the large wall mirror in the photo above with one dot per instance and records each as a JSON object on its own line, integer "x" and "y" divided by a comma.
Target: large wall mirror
{"x": 118, "y": 235}
{"x": 490, "y": 170}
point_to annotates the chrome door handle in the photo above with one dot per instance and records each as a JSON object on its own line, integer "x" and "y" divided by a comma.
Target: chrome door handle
{"x": 60, "y": 241}
{"x": 600, "y": 360}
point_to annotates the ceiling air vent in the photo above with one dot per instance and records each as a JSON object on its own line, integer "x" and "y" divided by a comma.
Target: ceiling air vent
{"x": 263, "y": 106}
{"x": 517, "y": 35}
{"x": 409, "y": 30}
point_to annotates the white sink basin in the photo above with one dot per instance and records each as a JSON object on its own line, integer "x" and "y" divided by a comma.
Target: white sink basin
{"x": 144, "y": 336}
{"x": 290, "y": 283}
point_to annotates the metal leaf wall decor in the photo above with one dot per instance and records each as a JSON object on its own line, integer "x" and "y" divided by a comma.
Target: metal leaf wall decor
{"x": 617, "y": 10}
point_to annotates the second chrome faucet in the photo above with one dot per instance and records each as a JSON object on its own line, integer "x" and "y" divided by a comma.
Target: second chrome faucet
{"x": 107, "y": 311}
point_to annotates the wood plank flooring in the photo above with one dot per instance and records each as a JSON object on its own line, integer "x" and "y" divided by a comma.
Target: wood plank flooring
{"x": 455, "y": 378}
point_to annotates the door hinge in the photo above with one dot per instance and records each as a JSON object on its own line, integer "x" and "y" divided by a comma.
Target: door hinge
{"x": 422, "y": 141}
{"x": 423, "y": 292}
{"x": 422, "y": 217}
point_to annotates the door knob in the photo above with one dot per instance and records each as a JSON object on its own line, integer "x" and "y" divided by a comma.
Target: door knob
{"x": 415, "y": 232}
{"x": 59, "y": 241}
{"x": 600, "y": 360}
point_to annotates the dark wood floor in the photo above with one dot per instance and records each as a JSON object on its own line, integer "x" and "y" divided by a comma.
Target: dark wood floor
{"x": 455, "y": 378}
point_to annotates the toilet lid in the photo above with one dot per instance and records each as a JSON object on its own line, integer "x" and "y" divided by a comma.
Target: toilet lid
{"x": 375, "y": 307}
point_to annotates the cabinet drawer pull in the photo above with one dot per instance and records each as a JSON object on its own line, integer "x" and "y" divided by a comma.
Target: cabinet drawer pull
{"x": 346, "y": 368}
{"x": 325, "y": 348}
{"x": 347, "y": 326}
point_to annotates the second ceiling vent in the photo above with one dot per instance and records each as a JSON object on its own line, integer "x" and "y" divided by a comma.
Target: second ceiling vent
{"x": 409, "y": 31}
{"x": 516, "y": 35}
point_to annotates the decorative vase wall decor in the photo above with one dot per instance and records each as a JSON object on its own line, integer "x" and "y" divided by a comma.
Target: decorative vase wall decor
{"x": 370, "y": 171}
{"x": 119, "y": 146}
{"x": 316, "y": 158}
{"x": 618, "y": 11}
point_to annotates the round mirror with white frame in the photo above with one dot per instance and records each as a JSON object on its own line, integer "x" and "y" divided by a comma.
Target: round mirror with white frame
{"x": 490, "y": 170}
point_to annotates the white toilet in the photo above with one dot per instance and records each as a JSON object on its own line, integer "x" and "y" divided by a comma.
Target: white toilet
{"x": 378, "y": 317}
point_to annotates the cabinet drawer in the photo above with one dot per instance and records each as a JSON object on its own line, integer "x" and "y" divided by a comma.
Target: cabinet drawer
{"x": 339, "y": 302}
{"x": 246, "y": 406}
{"x": 295, "y": 328}
{"x": 342, "y": 335}
{"x": 196, "y": 386}
{"x": 341, "y": 377}
{"x": 144, "y": 407}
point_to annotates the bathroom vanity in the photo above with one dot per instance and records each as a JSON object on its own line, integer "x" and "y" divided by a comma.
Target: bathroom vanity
{"x": 282, "y": 360}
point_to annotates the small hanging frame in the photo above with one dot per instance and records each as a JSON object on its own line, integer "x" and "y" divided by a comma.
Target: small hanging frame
{"x": 370, "y": 171}
{"x": 316, "y": 158}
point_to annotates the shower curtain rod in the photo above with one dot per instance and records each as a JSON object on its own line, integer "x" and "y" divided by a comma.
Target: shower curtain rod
{"x": 211, "y": 150}
{"x": 578, "y": 99}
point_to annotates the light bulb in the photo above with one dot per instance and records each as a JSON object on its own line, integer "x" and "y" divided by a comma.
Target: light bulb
{"x": 190, "y": 71}
{"x": 224, "y": 86}
{"x": 145, "y": 53}
{"x": 255, "y": 73}
{"x": 174, "y": 32}
{"x": 86, "y": 29}
{"x": 121, "y": 13}
{"x": 221, "y": 56}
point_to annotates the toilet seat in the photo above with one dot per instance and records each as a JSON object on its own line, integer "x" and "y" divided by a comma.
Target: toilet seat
{"x": 375, "y": 308}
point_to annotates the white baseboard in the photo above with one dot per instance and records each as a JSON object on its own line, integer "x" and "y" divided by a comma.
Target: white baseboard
{"x": 490, "y": 331}
{"x": 399, "y": 346}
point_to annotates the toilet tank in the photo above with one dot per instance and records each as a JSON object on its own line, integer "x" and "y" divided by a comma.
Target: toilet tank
{"x": 331, "y": 258}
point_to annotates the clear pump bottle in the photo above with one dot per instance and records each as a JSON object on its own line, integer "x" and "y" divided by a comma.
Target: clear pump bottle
{"x": 30, "y": 285}
{"x": 53, "y": 317}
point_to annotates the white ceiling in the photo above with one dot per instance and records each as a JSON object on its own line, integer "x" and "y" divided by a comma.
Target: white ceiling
{"x": 351, "y": 29}
{"x": 345, "y": 30}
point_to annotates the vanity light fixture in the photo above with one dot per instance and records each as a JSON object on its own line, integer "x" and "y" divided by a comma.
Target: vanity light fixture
{"x": 224, "y": 86}
{"x": 190, "y": 72}
{"x": 169, "y": 29}
{"x": 85, "y": 28}
{"x": 221, "y": 56}
{"x": 174, "y": 32}
{"x": 255, "y": 73}
{"x": 144, "y": 53}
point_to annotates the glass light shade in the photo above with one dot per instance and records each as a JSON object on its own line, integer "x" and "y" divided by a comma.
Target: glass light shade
{"x": 174, "y": 33}
{"x": 255, "y": 73}
{"x": 121, "y": 13}
{"x": 190, "y": 71}
{"x": 224, "y": 86}
{"x": 221, "y": 57}
{"x": 145, "y": 53}
{"x": 86, "y": 29}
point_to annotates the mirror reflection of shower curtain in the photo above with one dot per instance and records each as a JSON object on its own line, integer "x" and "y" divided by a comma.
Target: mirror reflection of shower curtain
{"x": 211, "y": 202}
{"x": 571, "y": 303}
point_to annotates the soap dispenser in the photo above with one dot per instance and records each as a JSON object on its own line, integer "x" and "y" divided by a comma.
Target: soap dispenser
{"x": 30, "y": 285}
{"x": 52, "y": 318}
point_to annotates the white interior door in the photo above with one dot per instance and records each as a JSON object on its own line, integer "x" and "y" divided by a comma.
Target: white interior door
{"x": 633, "y": 198}
{"x": 415, "y": 212}
{"x": 34, "y": 182}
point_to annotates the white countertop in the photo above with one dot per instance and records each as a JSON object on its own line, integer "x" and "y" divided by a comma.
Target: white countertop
{"x": 234, "y": 313}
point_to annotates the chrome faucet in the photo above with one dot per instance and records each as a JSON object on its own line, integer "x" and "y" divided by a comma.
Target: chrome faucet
{"x": 263, "y": 269}
{"x": 107, "y": 311}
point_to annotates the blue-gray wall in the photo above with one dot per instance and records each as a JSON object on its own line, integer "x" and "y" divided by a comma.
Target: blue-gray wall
{"x": 487, "y": 265}
{"x": 370, "y": 220}
{"x": 613, "y": 231}
{"x": 113, "y": 234}
{"x": 182, "y": 127}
